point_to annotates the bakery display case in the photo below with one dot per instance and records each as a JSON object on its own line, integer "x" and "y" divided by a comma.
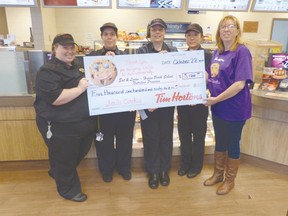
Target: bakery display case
{"x": 138, "y": 142}
{"x": 260, "y": 50}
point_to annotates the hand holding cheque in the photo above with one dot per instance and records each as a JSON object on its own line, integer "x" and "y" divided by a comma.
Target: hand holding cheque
{"x": 135, "y": 82}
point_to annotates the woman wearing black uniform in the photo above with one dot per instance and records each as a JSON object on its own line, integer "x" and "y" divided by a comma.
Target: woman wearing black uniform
{"x": 192, "y": 120}
{"x": 157, "y": 128}
{"x": 62, "y": 116}
{"x": 114, "y": 125}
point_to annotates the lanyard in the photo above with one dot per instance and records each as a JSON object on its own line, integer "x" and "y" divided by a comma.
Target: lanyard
{"x": 98, "y": 123}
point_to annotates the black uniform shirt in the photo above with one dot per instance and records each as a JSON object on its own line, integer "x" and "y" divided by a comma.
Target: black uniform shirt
{"x": 51, "y": 79}
{"x": 149, "y": 48}
{"x": 207, "y": 56}
{"x": 103, "y": 51}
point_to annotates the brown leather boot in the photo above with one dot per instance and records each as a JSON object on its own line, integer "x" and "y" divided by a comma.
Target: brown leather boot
{"x": 230, "y": 175}
{"x": 219, "y": 166}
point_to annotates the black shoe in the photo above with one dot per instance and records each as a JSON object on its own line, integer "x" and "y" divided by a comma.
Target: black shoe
{"x": 107, "y": 178}
{"x": 80, "y": 197}
{"x": 191, "y": 174}
{"x": 126, "y": 176}
{"x": 164, "y": 179}
{"x": 182, "y": 172}
{"x": 153, "y": 181}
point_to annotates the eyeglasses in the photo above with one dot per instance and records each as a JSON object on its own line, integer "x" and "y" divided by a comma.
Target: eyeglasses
{"x": 229, "y": 27}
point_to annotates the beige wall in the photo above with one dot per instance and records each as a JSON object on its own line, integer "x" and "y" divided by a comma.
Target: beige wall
{"x": 3, "y": 22}
{"x": 128, "y": 20}
{"x": 81, "y": 21}
{"x": 19, "y": 23}
{"x": 85, "y": 23}
{"x": 265, "y": 23}
{"x": 49, "y": 26}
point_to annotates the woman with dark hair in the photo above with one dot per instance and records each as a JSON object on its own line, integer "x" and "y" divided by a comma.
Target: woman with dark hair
{"x": 114, "y": 150}
{"x": 62, "y": 116}
{"x": 192, "y": 119}
{"x": 157, "y": 124}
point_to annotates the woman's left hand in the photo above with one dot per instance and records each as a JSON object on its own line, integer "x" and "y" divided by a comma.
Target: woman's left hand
{"x": 110, "y": 53}
{"x": 210, "y": 101}
{"x": 163, "y": 51}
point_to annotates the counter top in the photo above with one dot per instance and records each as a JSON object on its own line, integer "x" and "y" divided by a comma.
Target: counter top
{"x": 271, "y": 100}
{"x": 16, "y": 100}
{"x": 15, "y": 48}
{"x": 271, "y": 95}
{"x": 7, "y": 48}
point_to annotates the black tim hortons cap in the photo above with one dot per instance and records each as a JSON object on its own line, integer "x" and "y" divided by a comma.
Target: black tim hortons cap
{"x": 158, "y": 21}
{"x": 108, "y": 25}
{"x": 194, "y": 27}
{"x": 63, "y": 39}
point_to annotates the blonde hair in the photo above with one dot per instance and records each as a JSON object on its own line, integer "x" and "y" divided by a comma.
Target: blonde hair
{"x": 237, "y": 41}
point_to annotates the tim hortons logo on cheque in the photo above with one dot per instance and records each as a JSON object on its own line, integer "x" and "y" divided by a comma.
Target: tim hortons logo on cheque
{"x": 161, "y": 98}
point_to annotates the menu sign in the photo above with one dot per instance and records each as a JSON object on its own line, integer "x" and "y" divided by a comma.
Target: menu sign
{"x": 270, "y": 6}
{"x": 17, "y": 3}
{"x": 77, "y": 3}
{"x": 135, "y": 82}
{"x": 177, "y": 28}
{"x": 166, "y": 4}
{"x": 219, "y": 5}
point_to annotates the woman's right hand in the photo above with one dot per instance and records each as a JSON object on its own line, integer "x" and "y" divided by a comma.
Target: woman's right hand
{"x": 83, "y": 84}
{"x": 68, "y": 95}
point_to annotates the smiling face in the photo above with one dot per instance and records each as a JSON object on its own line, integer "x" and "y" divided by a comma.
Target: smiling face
{"x": 193, "y": 40}
{"x": 109, "y": 37}
{"x": 228, "y": 32}
{"x": 157, "y": 33}
{"x": 65, "y": 53}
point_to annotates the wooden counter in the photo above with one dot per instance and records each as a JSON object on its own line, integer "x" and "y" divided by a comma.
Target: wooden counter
{"x": 265, "y": 135}
{"x": 20, "y": 138}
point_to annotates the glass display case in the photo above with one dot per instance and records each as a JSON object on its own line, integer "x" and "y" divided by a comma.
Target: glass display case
{"x": 138, "y": 142}
{"x": 260, "y": 50}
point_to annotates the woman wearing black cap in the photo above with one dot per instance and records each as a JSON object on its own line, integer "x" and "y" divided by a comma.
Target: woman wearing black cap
{"x": 157, "y": 128}
{"x": 62, "y": 116}
{"x": 192, "y": 119}
{"x": 115, "y": 125}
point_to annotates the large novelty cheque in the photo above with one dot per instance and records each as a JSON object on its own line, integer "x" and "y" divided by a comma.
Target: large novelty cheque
{"x": 135, "y": 82}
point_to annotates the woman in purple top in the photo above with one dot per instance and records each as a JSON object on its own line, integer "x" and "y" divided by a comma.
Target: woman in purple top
{"x": 229, "y": 76}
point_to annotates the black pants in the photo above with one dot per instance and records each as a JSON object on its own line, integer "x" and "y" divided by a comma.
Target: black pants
{"x": 157, "y": 133}
{"x": 192, "y": 128}
{"x": 69, "y": 144}
{"x": 111, "y": 156}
